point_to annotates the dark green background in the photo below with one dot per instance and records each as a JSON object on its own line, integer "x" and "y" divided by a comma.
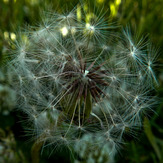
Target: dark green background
{"x": 145, "y": 17}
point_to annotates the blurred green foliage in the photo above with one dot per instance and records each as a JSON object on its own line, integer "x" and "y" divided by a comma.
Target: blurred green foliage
{"x": 143, "y": 16}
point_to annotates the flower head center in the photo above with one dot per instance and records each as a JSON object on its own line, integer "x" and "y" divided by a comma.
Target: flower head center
{"x": 85, "y": 73}
{"x": 84, "y": 76}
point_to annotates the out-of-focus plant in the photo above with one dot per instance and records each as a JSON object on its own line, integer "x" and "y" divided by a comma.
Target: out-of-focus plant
{"x": 8, "y": 149}
{"x": 75, "y": 79}
{"x": 98, "y": 154}
{"x": 7, "y": 95}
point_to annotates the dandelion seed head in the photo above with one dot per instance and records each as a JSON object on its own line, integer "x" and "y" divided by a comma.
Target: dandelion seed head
{"x": 78, "y": 86}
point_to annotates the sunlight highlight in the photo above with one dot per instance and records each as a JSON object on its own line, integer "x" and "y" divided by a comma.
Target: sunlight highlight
{"x": 64, "y": 31}
{"x": 100, "y": 1}
{"x": 13, "y": 36}
{"x": 6, "y": 35}
{"x": 78, "y": 12}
